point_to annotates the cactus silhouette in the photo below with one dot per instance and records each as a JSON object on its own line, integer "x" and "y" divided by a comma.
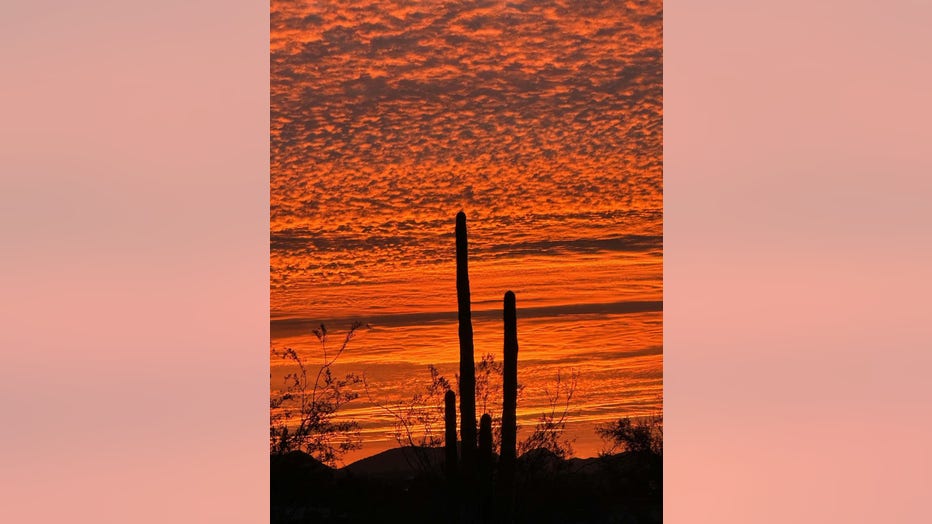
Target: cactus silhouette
{"x": 485, "y": 447}
{"x": 449, "y": 441}
{"x": 472, "y": 459}
{"x": 467, "y": 363}
{"x": 509, "y": 402}
{"x": 485, "y": 468}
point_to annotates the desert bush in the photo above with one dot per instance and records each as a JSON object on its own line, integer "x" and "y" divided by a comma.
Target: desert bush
{"x": 639, "y": 434}
{"x": 416, "y": 421}
{"x": 489, "y": 394}
{"x": 549, "y": 432}
{"x": 304, "y": 414}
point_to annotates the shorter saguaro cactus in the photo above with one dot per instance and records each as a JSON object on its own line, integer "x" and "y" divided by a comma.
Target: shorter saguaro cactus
{"x": 485, "y": 468}
{"x": 449, "y": 441}
{"x": 485, "y": 444}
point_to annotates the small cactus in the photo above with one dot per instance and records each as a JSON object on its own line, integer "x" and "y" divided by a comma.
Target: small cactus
{"x": 485, "y": 445}
{"x": 485, "y": 468}
{"x": 449, "y": 419}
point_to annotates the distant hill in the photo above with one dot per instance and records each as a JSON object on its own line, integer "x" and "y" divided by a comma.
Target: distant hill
{"x": 405, "y": 461}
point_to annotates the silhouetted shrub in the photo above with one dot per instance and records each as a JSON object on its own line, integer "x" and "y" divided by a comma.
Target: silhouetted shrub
{"x": 304, "y": 413}
{"x": 549, "y": 433}
{"x": 419, "y": 423}
{"x": 641, "y": 434}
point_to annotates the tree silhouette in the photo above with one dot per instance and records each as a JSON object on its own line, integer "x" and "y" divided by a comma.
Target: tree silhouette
{"x": 304, "y": 414}
{"x": 640, "y": 435}
{"x": 549, "y": 432}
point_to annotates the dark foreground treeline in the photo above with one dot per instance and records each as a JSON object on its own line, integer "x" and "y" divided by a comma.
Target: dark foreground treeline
{"x": 395, "y": 486}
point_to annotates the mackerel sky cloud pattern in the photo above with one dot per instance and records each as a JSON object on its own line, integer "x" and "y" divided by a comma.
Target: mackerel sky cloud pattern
{"x": 541, "y": 119}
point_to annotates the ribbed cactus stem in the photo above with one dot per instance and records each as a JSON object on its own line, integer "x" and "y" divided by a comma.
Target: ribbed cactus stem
{"x": 449, "y": 441}
{"x": 467, "y": 363}
{"x": 510, "y": 393}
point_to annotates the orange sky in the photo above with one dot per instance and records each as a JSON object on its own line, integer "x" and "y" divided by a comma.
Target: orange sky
{"x": 542, "y": 120}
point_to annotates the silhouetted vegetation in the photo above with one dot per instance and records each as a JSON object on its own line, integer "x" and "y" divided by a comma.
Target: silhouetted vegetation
{"x": 467, "y": 377}
{"x": 417, "y": 421}
{"x": 638, "y": 435}
{"x": 549, "y": 433}
{"x": 449, "y": 439}
{"x": 485, "y": 467}
{"x": 509, "y": 449}
{"x": 304, "y": 414}
{"x": 534, "y": 480}
{"x": 625, "y": 487}
{"x": 490, "y": 393}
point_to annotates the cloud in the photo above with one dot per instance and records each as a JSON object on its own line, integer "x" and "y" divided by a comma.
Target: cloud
{"x": 542, "y": 120}
{"x": 292, "y": 326}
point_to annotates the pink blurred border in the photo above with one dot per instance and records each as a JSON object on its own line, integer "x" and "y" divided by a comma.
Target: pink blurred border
{"x": 797, "y": 261}
{"x": 134, "y": 220}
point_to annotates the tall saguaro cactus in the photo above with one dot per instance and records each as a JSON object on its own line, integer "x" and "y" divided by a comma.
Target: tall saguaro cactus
{"x": 467, "y": 363}
{"x": 449, "y": 435}
{"x": 510, "y": 397}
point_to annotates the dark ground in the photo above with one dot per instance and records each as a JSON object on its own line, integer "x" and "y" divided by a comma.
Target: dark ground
{"x": 406, "y": 485}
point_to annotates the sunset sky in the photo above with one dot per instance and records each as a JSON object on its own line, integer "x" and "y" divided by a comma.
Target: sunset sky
{"x": 542, "y": 120}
